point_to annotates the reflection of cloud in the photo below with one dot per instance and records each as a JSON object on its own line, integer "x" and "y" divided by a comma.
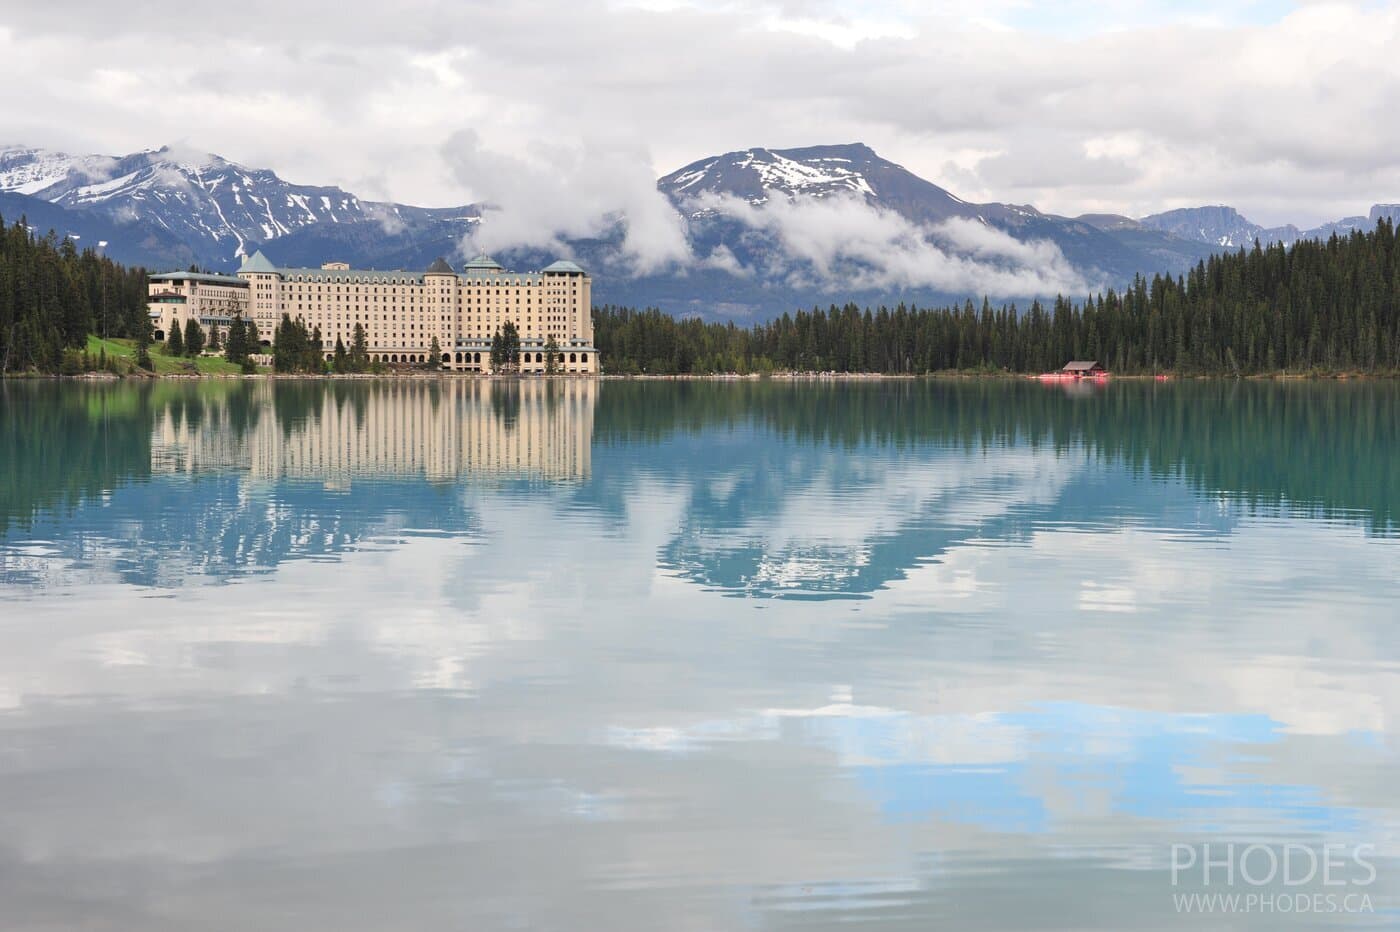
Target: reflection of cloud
{"x": 830, "y": 531}
{"x": 417, "y": 702}
{"x": 978, "y": 768}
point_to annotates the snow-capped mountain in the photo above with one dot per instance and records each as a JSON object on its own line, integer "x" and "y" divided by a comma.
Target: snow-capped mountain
{"x": 220, "y": 209}
{"x": 747, "y": 216}
{"x": 30, "y": 171}
{"x": 1219, "y": 226}
{"x": 1225, "y": 227}
{"x": 706, "y": 192}
{"x": 759, "y": 175}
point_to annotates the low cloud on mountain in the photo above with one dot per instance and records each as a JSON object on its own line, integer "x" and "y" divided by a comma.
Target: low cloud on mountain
{"x": 846, "y": 243}
{"x": 560, "y": 194}
{"x": 563, "y": 192}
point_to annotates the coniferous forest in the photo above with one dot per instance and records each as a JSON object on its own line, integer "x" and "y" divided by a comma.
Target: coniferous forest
{"x": 1329, "y": 306}
{"x": 1321, "y": 307}
{"x": 52, "y": 296}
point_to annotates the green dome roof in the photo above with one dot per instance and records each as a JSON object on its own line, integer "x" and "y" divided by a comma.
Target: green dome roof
{"x": 484, "y": 261}
{"x": 563, "y": 265}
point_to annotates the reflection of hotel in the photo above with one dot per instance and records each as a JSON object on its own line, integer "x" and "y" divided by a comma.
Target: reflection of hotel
{"x": 401, "y": 312}
{"x": 440, "y": 430}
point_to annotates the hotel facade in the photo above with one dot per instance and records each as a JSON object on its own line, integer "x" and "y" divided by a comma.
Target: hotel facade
{"x": 401, "y": 312}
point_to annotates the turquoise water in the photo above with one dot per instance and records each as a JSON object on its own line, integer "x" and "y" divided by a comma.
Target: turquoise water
{"x": 412, "y": 654}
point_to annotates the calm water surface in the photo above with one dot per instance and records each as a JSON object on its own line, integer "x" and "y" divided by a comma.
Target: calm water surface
{"x": 413, "y": 655}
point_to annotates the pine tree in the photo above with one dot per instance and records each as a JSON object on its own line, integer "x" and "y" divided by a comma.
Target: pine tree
{"x": 143, "y": 346}
{"x": 287, "y": 346}
{"x": 175, "y": 343}
{"x": 194, "y": 338}
{"x": 236, "y": 343}
{"x": 315, "y": 353}
{"x": 510, "y": 348}
{"x": 551, "y": 355}
{"x": 359, "y": 350}
{"x": 340, "y": 364}
{"x": 435, "y": 355}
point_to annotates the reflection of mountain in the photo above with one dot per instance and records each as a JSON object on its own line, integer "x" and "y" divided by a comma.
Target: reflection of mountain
{"x": 825, "y": 537}
{"x": 810, "y": 490}
{"x": 772, "y": 509}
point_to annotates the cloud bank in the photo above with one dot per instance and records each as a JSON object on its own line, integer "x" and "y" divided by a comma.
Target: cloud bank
{"x": 1125, "y": 106}
{"x": 846, "y": 243}
{"x": 560, "y": 192}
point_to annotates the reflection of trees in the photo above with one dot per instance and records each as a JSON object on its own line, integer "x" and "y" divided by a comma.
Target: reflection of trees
{"x": 1316, "y": 449}
{"x": 297, "y": 402}
{"x": 60, "y": 443}
{"x": 505, "y": 403}
{"x": 1319, "y": 447}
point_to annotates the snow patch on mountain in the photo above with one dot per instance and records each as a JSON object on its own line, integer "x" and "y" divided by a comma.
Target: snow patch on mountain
{"x": 819, "y": 177}
{"x": 26, "y": 170}
{"x": 220, "y": 208}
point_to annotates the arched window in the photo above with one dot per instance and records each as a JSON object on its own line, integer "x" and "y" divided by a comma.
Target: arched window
{"x": 446, "y": 357}
{"x": 477, "y": 358}
{"x": 539, "y": 357}
{"x": 573, "y": 357}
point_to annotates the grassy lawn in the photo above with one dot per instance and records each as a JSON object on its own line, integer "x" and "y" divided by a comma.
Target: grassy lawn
{"x": 165, "y": 365}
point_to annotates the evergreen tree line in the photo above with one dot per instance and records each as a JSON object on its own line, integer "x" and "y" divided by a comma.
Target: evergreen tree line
{"x": 190, "y": 341}
{"x": 297, "y": 349}
{"x": 241, "y": 343}
{"x": 1317, "y": 306}
{"x": 52, "y": 296}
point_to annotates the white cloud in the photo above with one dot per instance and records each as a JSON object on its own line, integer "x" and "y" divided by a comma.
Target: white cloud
{"x": 1280, "y": 110}
{"x": 846, "y": 241}
{"x": 559, "y": 192}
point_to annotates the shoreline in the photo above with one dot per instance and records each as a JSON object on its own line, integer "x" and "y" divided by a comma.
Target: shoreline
{"x": 946, "y": 375}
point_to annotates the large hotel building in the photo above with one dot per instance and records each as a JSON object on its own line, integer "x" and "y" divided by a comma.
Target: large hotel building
{"x": 401, "y": 312}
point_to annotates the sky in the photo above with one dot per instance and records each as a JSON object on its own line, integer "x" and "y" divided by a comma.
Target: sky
{"x": 1282, "y": 109}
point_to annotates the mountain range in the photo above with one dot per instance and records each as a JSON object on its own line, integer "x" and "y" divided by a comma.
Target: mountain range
{"x": 767, "y": 230}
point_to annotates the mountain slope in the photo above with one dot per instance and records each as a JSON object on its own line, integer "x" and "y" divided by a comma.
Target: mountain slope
{"x": 1218, "y": 226}
{"x": 134, "y": 242}
{"x": 221, "y": 210}
{"x": 706, "y": 192}
{"x": 1225, "y": 227}
{"x": 768, "y": 229}
{"x": 759, "y": 175}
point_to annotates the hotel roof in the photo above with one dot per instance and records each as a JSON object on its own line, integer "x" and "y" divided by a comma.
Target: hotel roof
{"x": 482, "y": 267}
{"x": 257, "y": 262}
{"x": 563, "y": 265}
{"x": 206, "y": 277}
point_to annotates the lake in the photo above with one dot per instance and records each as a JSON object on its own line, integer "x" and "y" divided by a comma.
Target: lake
{"x": 431, "y": 654}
